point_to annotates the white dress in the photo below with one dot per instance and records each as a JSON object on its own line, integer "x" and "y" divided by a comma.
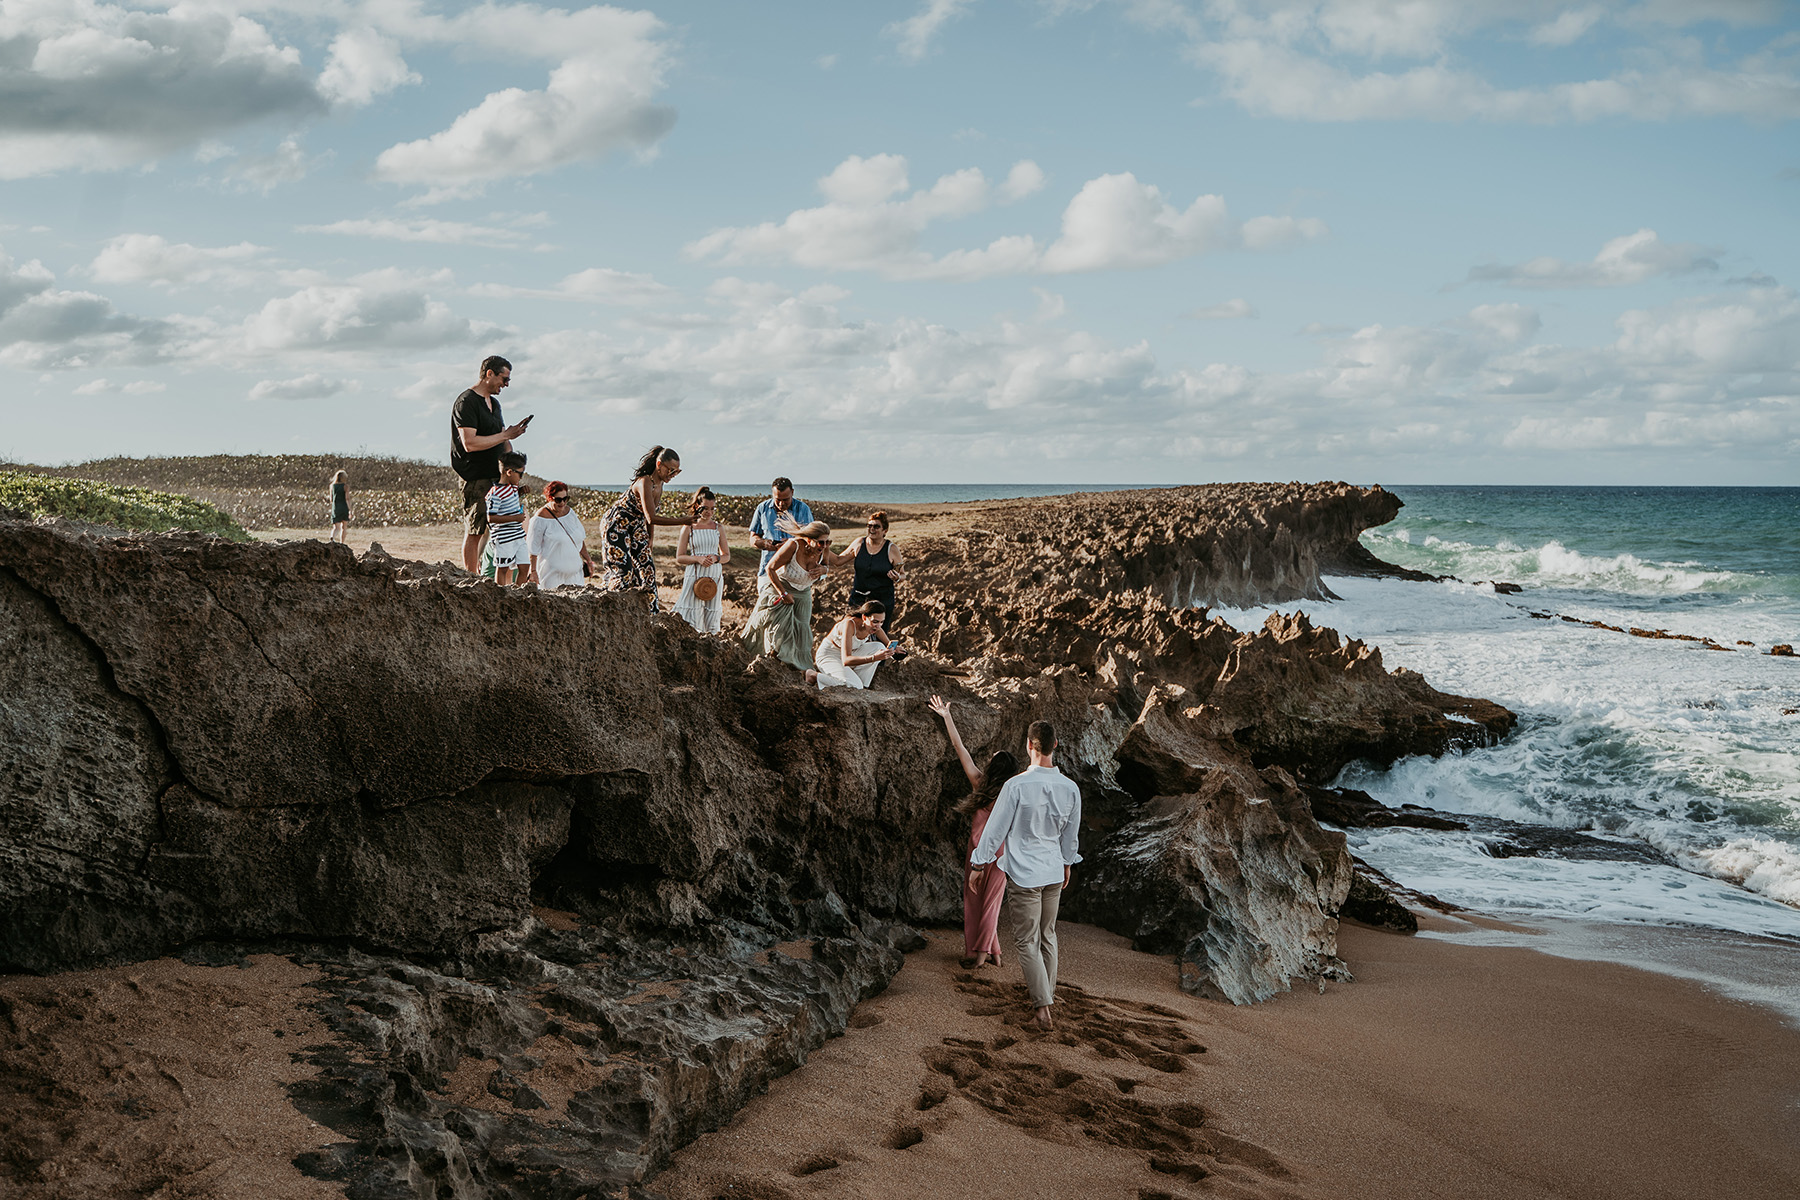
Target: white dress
{"x": 702, "y": 614}
{"x": 556, "y": 541}
{"x": 830, "y": 661}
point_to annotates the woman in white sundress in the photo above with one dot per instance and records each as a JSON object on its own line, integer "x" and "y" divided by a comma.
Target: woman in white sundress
{"x": 702, "y": 553}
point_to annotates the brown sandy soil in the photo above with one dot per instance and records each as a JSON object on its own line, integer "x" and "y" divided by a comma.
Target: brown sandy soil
{"x": 159, "y": 1079}
{"x": 1442, "y": 1071}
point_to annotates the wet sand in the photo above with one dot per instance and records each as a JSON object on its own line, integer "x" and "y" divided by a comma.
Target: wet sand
{"x": 1442, "y": 1071}
{"x": 161, "y": 1079}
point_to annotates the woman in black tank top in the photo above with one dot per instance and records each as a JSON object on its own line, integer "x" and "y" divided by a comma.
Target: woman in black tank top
{"x": 878, "y": 566}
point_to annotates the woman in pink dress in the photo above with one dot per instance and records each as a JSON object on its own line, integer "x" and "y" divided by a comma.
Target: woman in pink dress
{"x": 983, "y": 894}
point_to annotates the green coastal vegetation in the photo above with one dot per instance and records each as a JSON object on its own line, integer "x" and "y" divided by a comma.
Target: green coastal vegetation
{"x": 292, "y": 491}
{"x": 118, "y": 505}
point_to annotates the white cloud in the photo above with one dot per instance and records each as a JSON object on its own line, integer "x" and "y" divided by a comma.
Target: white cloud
{"x": 382, "y": 310}
{"x": 444, "y": 233}
{"x": 151, "y": 258}
{"x": 914, "y": 35}
{"x": 43, "y": 327}
{"x": 599, "y": 97}
{"x": 1722, "y": 373}
{"x": 1622, "y": 261}
{"x": 266, "y": 172}
{"x": 1568, "y": 27}
{"x": 137, "y": 387}
{"x": 311, "y": 386}
{"x": 89, "y": 85}
{"x": 1327, "y": 60}
{"x": 1114, "y": 222}
{"x": 1230, "y": 310}
{"x": 596, "y": 285}
{"x": 362, "y": 66}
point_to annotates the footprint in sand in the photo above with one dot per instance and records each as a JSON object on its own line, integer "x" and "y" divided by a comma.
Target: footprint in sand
{"x": 1023, "y": 1078}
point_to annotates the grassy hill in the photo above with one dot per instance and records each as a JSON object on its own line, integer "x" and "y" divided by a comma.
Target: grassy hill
{"x": 293, "y": 491}
{"x": 113, "y": 504}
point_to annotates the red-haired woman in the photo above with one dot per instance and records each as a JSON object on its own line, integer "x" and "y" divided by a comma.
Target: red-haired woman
{"x": 983, "y": 894}
{"x": 557, "y": 542}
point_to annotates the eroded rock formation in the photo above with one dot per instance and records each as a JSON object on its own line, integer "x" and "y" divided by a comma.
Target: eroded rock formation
{"x": 286, "y": 746}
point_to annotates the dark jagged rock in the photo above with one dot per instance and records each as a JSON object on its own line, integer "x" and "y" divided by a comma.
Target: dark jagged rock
{"x": 1372, "y": 904}
{"x": 598, "y": 1055}
{"x": 204, "y": 741}
{"x": 1225, "y": 868}
{"x": 1352, "y": 808}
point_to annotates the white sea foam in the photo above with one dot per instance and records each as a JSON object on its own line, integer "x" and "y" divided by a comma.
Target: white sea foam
{"x": 1553, "y": 564}
{"x": 1683, "y": 748}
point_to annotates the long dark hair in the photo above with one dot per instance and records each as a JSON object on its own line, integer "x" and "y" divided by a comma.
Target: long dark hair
{"x": 701, "y": 495}
{"x": 652, "y": 456}
{"x": 1000, "y": 768}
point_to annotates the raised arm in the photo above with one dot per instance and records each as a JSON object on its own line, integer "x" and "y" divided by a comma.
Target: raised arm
{"x": 942, "y": 709}
{"x": 653, "y": 500}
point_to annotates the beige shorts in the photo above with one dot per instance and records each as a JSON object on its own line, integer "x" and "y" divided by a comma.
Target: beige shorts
{"x": 475, "y": 506}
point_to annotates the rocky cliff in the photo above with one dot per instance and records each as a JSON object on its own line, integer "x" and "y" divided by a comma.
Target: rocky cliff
{"x": 517, "y": 826}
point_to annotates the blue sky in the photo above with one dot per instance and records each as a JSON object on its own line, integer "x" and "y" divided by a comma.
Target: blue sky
{"x": 989, "y": 240}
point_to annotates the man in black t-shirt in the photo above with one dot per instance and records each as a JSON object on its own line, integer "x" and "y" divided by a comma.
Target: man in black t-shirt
{"x": 478, "y": 436}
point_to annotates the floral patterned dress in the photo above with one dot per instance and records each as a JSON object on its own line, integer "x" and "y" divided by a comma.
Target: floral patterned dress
{"x": 625, "y": 547}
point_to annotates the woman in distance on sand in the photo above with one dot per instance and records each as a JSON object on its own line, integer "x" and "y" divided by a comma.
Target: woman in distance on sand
{"x": 781, "y": 623}
{"x": 626, "y": 529}
{"x": 702, "y": 552}
{"x": 983, "y": 895}
{"x": 340, "y": 506}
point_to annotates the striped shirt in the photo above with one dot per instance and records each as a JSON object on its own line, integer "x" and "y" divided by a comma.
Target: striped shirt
{"x": 503, "y": 501}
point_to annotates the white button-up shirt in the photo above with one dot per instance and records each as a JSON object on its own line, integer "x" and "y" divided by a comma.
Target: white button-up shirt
{"x": 1037, "y": 816}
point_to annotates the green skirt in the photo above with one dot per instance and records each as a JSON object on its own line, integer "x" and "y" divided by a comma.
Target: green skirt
{"x": 784, "y": 630}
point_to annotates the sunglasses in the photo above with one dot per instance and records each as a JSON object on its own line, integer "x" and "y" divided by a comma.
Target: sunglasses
{"x": 563, "y": 499}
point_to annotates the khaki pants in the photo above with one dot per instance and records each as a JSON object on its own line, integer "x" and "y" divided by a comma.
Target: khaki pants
{"x": 1033, "y": 912}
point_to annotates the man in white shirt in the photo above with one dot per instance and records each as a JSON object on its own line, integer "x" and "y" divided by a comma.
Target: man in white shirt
{"x": 1037, "y": 817}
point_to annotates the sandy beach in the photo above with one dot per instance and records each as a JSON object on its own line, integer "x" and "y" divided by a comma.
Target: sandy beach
{"x": 1441, "y": 1071}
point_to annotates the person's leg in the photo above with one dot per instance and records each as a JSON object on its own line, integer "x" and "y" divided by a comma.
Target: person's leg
{"x": 503, "y": 575}
{"x": 865, "y": 674}
{"x": 474, "y": 498}
{"x": 1052, "y": 900}
{"x": 1025, "y": 905}
{"x": 835, "y": 674}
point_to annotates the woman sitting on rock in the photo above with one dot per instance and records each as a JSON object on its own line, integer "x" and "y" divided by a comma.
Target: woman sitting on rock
{"x": 702, "y": 552}
{"x": 781, "y": 623}
{"x": 983, "y": 893}
{"x": 853, "y": 649}
{"x": 627, "y": 528}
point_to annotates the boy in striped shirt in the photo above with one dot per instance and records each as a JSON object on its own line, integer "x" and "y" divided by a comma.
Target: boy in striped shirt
{"x": 506, "y": 519}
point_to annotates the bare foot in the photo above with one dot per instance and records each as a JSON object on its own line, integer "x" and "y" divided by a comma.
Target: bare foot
{"x": 1042, "y": 1020}
{"x": 812, "y": 677}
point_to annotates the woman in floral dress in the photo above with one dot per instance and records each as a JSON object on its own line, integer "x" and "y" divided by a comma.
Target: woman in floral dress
{"x": 625, "y": 530}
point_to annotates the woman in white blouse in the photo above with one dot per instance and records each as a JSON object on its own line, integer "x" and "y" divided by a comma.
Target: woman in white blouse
{"x": 557, "y": 542}
{"x": 702, "y": 552}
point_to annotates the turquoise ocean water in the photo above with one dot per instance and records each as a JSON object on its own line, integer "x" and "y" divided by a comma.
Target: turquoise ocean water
{"x": 1692, "y": 751}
